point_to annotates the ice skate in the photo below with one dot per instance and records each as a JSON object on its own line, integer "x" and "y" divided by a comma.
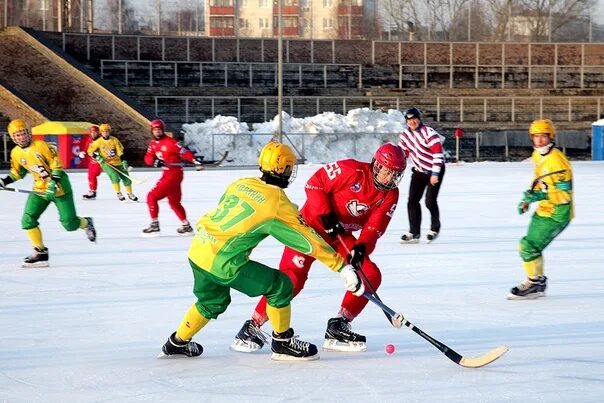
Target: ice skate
{"x": 39, "y": 258}
{"x": 120, "y": 196}
{"x": 249, "y": 339}
{"x": 152, "y": 230}
{"x": 185, "y": 229}
{"x": 132, "y": 197}
{"x": 91, "y": 195}
{"x": 530, "y": 288}
{"x": 431, "y": 236}
{"x": 340, "y": 337}
{"x": 173, "y": 347}
{"x": 287, "y": 347}
{"x": 90, "y": 230}
{"x": 409, "y": 238}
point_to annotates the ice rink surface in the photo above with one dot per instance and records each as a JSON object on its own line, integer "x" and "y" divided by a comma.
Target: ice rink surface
{"x": 89, "y": 327}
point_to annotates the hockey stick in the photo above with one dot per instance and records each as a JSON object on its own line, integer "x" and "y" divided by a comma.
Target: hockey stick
{"x": 536, "y": 181}
{"x": 21, "y": 191}
{"x": 210, "y": 163}
{"x": 467, "y": 362}
{"x": 134, "y": 180}
{"x": 395, "y": 321}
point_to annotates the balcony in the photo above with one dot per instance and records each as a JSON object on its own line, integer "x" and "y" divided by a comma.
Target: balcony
{"x": 350, "y": 10}
{"x": 220, "y": 10}
{"x": 286, "y": 10}
{"x": 287, "y": 31}
{"x": 354, "y": 32}
{"x": 222, "y": 31}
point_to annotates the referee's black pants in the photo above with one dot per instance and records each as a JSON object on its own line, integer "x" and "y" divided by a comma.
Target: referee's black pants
{"x": 419, "y": 182}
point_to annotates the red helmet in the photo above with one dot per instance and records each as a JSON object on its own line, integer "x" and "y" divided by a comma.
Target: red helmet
{"x": 94, "y": 132}
{"x": 157, "y": 123}
{"x": 388, "y": 166}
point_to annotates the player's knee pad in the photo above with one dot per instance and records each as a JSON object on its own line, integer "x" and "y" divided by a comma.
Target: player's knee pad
{"x": 373, "y": 274}
{"x": 71, "y": 224}
{"x": 280, "y": 293}
{"x": 29, "y": 222}
{"x": 528, "y": 251}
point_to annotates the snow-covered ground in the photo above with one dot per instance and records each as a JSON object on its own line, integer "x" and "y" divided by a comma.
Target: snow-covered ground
{"x": 88, "y": 328}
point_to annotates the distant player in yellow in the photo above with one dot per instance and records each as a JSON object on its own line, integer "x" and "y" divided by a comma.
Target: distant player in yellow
{"x": 51, "y": 184}
{"x": 552, "y": 188}
{"x": 108, "y": 151}
{"x": 250, "y": 210}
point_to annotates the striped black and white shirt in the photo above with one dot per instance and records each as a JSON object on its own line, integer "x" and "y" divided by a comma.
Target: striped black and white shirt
{"x": 424, "y": 147}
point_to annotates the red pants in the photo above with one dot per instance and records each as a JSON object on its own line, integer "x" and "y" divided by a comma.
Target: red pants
{"x": 297, "y": 265}
{"x": 94, "y": 170}
{"x": 167, "y": 186}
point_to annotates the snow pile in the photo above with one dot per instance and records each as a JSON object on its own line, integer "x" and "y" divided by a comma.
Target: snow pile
{"x": 317, "y": 139}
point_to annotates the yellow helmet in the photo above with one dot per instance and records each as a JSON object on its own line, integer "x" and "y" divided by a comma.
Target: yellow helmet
{"x": 277, "y": 162}
{"x": 16, "y": 126}
{"x": 543, "y": 126}
{"x": 105, "y": 127}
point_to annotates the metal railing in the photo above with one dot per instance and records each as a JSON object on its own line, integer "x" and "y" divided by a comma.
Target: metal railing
{"x": 179, "y": 73}
{"x": 441, "y": 109}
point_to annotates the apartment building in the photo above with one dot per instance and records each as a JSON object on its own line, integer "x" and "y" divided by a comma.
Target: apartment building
{"x": 310, "y": 19}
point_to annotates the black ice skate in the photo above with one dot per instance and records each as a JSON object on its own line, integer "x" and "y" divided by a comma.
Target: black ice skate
{"x": 287, "y": 347}
{"x": 39, "y": 258}
{"x": 152, "y": 229}
{"x": 249, "y": 339}
{"x": 91, "y": 195}
{"x": 90, "y": 230}
{"x": 431, "y": 236}
{"x": 530, "y": 288}
{"x": 132, "y": 197}
{"x": 185, "y": 229}
{"x": 339, "y": 337}
{"x": 174, "y": 347}
{"x": 409, "y": 238}
{"x": 120, "y": 196}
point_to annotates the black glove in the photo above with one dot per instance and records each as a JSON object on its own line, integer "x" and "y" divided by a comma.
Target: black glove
{"x": 158, "y": 163}
{"x": 357, "y": 255}
{"x": 332, "y": 225}
{"x": 198, "y": 162}
{"x": 6, "y": 181}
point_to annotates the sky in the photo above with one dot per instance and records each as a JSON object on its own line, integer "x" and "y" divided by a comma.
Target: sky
{"x": 89, "y": 327}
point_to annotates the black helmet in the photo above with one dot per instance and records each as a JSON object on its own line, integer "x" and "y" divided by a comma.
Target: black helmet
{"x": 412, "y": 113}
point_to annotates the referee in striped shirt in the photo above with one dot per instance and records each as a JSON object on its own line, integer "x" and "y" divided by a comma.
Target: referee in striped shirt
{"x": 423, "y": 145}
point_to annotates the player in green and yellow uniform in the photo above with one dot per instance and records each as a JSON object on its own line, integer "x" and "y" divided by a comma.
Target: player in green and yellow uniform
{"x": 108, "y": 151}
{"x": 553, "y": 189}
{"x": 51, "y": 184}
{"x": 250, "y": 210}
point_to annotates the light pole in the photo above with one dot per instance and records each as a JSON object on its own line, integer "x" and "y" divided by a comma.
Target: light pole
{"x": 279, "y": 133}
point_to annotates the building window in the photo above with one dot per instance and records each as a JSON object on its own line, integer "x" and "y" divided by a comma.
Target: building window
{"x": 326, "y": 3}
{"x": 222, "y": 3}
{"x": 263, "y": 23}
{"x": 263, "y": 3}
{"x": 243, "y": 23}
{"x": 220, "y": 22}
{"x": 327, "y": 23}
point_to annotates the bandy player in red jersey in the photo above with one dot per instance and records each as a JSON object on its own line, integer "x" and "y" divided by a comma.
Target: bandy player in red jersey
{"x": 94, "y": 168}
{"x": 342, "y": 197}
{"x": 169, "y": 154}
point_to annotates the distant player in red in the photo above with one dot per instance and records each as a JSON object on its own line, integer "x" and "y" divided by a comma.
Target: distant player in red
{"x": 94, "y": 168}
{"x": 169, "y": 154}
{"x": 342, "y": 197}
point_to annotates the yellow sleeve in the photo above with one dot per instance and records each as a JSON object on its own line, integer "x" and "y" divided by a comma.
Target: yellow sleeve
{"x": 119, "y": 148}
{"x": 559, "y": 186}
{"x": 290, "y": 229}
{"x": 54, "y": 162}
{"x": 17, "y": 171}
{"x": 92, "y": 147}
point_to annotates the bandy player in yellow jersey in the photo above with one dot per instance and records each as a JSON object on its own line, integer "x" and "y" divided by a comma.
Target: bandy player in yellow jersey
{"x": 108, "y": 151}
{"x": 552, "y": 188}
{"x": 51, "y": 185}
{"x": 250, "y": 210}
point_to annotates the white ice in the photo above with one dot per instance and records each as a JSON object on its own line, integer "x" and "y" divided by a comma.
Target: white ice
{"x": 89, "y": 327}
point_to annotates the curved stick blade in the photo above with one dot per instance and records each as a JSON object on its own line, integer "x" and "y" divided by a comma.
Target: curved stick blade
{"x": 487, "y": 358}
